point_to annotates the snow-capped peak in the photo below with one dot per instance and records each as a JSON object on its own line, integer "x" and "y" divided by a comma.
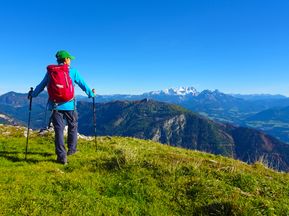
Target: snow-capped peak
{"x": 181, "y": 91}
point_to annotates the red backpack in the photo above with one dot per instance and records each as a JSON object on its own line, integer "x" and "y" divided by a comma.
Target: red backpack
{"x": 60, "y": 87}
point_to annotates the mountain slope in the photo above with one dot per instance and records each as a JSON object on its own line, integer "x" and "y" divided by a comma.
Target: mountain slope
{"x": 252, "y": 145}
{"x": 15, "y": 106}
{"x": 173, "y": 125}
{"x": 273, "y": 121}
{"x": 6, "y": 120}
{"x": 275, "y": 114}
{"x": 161, "y": 122}
{"x": 127, "y": 176}
{"x": 19, "y": 115}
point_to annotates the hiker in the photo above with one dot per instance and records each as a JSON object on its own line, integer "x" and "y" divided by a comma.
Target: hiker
{"x": 60, "y": 80}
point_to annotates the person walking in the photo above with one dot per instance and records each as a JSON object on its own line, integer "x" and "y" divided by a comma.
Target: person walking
{"x": 60, "y": 80}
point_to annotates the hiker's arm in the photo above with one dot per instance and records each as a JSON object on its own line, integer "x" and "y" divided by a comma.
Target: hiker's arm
{"x": 82, "y": 84}
{"x": 40, "y": 87}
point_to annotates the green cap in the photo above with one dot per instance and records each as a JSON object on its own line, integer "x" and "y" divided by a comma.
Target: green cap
{"x": 62, "y": 54}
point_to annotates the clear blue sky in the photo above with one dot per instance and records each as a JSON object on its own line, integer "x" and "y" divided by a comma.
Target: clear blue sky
{"x": 135, "y": 46}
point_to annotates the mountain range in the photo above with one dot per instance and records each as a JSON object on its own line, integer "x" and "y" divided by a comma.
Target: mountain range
{"x": 165, "y": 123}
{"x": 231, "y": 108}
{"x": 214, "y": 104}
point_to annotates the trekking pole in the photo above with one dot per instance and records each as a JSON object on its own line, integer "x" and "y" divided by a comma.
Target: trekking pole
{"x": 29, "y": 118}
{"x": 94, "y": 121}
{"x": 45, "y": 117}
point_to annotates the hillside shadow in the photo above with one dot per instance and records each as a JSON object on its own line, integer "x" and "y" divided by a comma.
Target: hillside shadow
{"x": 218, "y": 209}
{"x": 14, "y": 156}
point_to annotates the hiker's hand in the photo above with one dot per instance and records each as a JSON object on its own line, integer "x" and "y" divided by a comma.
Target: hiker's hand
{"x": 94, "y": 92}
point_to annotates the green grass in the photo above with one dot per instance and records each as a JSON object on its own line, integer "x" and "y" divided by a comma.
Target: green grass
{"x": 127, "y": 176}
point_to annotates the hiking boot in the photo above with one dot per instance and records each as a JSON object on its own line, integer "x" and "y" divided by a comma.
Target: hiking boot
{"x": 71, "y": 152}
{"x": 61, "y": 161}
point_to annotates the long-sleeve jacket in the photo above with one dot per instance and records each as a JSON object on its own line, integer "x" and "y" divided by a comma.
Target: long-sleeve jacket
{"x": 70, "y": 105}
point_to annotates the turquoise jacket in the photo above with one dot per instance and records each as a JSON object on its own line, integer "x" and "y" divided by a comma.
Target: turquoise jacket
{"x": 70, "y": 105}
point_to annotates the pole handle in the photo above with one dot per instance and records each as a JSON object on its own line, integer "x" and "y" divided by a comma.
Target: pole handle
{"x": 30, "y": 98}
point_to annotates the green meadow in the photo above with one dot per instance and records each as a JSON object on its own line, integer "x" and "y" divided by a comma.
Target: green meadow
{"x": 128, "y": 176}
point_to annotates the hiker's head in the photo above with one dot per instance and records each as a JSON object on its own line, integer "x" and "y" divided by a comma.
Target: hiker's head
{"x": 63, "y": 57}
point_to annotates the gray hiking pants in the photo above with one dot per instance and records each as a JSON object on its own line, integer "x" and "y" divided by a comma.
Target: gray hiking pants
{"x": 58, "y": 119}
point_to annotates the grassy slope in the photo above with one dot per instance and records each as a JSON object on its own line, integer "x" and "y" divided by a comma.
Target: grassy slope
{"x": 126, "y": 176}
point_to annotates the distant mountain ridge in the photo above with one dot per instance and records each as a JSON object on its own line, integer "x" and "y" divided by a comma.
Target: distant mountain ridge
{"x": 181, "y": 91}
{"x": 19, "y": 99}
{"x": 259, "y": 96}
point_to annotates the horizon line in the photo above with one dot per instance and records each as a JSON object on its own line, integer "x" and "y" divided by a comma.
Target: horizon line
{"x": 136, "y": 94}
